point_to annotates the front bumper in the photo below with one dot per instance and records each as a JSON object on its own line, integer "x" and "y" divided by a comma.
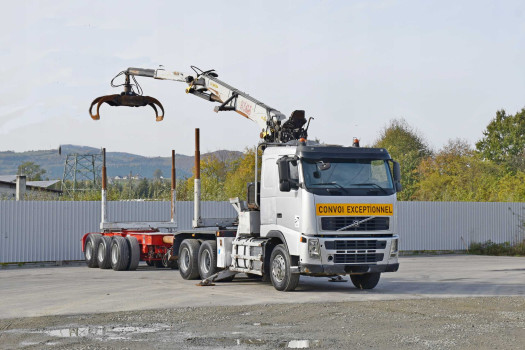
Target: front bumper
{"x": 329, "y": 270}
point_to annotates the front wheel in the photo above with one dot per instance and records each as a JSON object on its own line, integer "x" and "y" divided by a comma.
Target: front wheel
{"x": 282, "y": 278}
{"x": 366, "y": 280}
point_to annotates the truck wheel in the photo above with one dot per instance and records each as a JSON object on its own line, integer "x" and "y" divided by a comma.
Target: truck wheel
{"x": 91, "y": 249}
{"x": 104, "y": 252}
{"x": 189, "y": 259}
{"x": 366, "y": 280}
{"x": 134, "y": 249}
{"x": 282, "y": 278}
{"x": 149, "y": 263}
{"x": 119, "y": 253}
{"x": 208, "y": 259}
{"x": 169, "y": 264}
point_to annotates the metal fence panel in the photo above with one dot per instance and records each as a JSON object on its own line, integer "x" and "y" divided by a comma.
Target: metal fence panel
{"x": 454, "y": 225}
{"x": 51, "y": 231}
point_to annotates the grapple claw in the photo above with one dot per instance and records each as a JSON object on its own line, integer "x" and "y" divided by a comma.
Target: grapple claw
{"x": 127, "y": 99}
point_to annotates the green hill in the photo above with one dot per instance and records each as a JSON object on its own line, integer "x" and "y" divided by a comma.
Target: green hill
{"x": 118, "y": 163}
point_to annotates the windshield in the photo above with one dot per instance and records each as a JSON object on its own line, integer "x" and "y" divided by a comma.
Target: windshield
{"x": 354, "y": 177}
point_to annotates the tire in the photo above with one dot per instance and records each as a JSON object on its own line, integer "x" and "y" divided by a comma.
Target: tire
{"x": 119, "y": 253}
{"x": 169, "y": 264}
{"x": 149, "y": 263}
{"x": 158, "y": 264}
{"x": 91, "y": 249}
{"x": 104, "y": 252}
{"x": 134, "y": 249}
{"x": 189, "y": 259}
{"x": 366, "y": 280}
{"x": 282, "y": 278}
{"x": 208, "y": 259}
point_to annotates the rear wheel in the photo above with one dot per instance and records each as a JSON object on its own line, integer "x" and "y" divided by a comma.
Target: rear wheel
{"x": 134, "y": 250}
{"x": 208, "y": 259}
{"x": 366, "y": 280}
{"x": 104, "y": 252}
{"x": 119, "y": 253}
{"x": 91, "y": 249}
{"x": 282, "y": 278}
{"x": 189, "y": 259}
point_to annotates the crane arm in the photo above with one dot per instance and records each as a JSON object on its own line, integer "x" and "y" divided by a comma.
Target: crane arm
{"x": 205, "y": 84}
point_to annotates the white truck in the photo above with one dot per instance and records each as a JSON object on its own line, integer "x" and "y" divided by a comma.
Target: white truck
{"x": 317, "y": 210}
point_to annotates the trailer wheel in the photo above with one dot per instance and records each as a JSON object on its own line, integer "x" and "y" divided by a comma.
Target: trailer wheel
{"x": 134, "y": 249}
{"x": 119, "y": 253}
{"x": 189, "y": 259}
{"x": 366, "y": 280}
{"x": 104, "y": 252}
{"x": 91, "y": 249}
{"x": 282, "y": 278}
{"x": 208, "y": 259}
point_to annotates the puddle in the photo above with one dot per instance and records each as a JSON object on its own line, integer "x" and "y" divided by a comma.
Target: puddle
{"x": 251, "y": 342}
{"x": 102, "y": 332}
{"x": 301, "y": 344}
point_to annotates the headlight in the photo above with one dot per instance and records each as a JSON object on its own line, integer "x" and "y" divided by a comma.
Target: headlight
{"x": 394, "y": 247}
{"x": 314, "y": 249}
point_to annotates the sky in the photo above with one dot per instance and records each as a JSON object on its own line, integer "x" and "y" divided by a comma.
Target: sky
{"x": 446, "y": 67}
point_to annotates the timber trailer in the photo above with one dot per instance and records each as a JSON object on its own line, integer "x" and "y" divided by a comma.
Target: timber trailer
{"x": 317, "y": 210}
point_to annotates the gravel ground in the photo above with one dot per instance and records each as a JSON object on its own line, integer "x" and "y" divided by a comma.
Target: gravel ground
{"x": 433, "y": 323}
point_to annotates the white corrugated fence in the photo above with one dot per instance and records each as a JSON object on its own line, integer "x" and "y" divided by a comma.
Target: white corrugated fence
{"x": 32, "y": 231}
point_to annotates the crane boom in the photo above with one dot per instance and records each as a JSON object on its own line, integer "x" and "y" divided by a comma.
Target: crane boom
{"x": 205, "y": 84}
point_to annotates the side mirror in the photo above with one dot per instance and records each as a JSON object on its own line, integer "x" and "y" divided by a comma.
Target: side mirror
{"x": 397, "y": 177}
{"x": 286, "y": 183}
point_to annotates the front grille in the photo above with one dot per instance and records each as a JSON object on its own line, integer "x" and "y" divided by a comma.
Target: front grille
{"x": 338, "y": 222}
{"x": 354, "y": 244}
{"x": 357, "y": 258}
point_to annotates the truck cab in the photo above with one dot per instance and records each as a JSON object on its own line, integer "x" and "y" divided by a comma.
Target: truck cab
{"x": 333, "y": 207}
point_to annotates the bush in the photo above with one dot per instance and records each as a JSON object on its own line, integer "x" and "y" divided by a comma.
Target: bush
{"x": 498, "y": 249}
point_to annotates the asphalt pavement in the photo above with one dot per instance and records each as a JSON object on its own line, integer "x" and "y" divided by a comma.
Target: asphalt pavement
{"x": 69, "y": 290}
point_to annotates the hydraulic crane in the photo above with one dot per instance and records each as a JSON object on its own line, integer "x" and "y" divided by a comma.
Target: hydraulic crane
{"x": 206, "y": 85}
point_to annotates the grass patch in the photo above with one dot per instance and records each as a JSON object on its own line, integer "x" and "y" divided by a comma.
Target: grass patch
{"x": 498, "y": 249}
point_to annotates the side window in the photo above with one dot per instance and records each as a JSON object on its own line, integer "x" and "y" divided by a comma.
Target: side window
{"x": 269, "y": 173}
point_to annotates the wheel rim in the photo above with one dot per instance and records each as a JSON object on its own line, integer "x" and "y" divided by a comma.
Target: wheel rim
{"x": 101, "y": 252}
{"x": 185, "y": 259}
{"x": 278, "y": 268}
{"x": 89, "y": 250}
{"x": 114, "y": 254}
{"x": 206, "y": 261}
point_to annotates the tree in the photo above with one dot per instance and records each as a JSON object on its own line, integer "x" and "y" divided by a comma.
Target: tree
{"x": 142, "y": 190}
{"x": 32, "y": 171}
{"x": 243, "y": 171}
{"x": 157, "y": 174}
{"x": 504, "y": 140}
{"x": 457, "y": 173}
{"x": 407, "y": 147}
